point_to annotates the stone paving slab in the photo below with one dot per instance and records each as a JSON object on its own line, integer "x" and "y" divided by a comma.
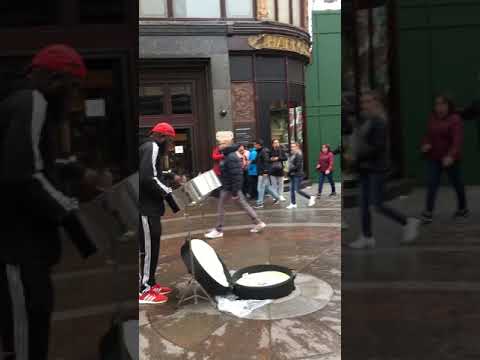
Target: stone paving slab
{"x": 201, "y": 332}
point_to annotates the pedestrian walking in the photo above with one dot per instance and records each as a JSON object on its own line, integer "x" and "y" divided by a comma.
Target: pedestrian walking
{"x": 36, "y": 164}
{"x": 244, "y": 155}
{"x": 264, "y": 181}
{"x": 296, "y": 174}
{"x": 371, "y": 162}
{"x": 277, "y": 158}
{"x": 252, "y": 173}
{"x": 217, "y": 157}
{"x": 154, "y": 191}
{"x": 442, "y": 146}
{"x": 325, "y": 168}
{"x": 232, "y": 179}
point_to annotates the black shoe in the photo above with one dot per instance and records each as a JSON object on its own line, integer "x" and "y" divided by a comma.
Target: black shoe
{"x": 332, "y": 194}
{"x": 465, "y": 213}
{"x": 426, "y": 217}
{"x": 258, "y": 206}
{"x": 276, "y": 202}
{"x": 319, "y": 196}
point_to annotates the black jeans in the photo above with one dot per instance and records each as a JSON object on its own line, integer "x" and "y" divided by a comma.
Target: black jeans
{"x": 322, "y": 180}
{"x": 252, "y": 186}
{"x": 434, "y": 174}
{"x": 149, "y": 238}
{"x": 372, "y": 193}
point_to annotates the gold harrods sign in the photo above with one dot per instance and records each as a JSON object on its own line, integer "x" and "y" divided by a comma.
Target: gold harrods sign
{"x": 279, "y": 42}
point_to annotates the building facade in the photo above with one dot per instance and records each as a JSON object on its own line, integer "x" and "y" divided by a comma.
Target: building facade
{"x": 223, "y": 65}
{"x": 324, "y": 88}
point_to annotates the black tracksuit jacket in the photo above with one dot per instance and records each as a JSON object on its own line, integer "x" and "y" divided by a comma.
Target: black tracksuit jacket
{"x": 31, "y": 173}
{"x": 154, "y": 179}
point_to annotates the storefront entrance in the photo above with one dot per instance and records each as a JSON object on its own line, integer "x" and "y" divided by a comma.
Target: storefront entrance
{"x": 178, "y": 96}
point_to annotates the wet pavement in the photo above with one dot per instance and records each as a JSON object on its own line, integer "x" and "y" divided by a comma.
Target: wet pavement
{"x": 419, "y": 301}
{"x": 304, "y": 326}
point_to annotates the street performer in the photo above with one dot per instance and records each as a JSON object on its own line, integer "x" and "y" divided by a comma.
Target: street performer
{"x": 154, "y": 191}
{"x": 35, "y": 166}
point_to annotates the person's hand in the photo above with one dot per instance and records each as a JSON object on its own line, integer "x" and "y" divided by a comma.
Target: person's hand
{"x": 318, "y": 166}
{"x": 327, "y": 172}
{"x": 235, "y": 197}
{"x": 426, "y": 148}
{"x": 274, "y": 158}
{"x": 447, "y": 161}
{"x": 180, "y": 179}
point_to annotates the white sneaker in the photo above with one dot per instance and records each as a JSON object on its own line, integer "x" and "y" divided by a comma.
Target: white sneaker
{"x": 362, "y": 243}
{"x": 214, "y": 234}
{"x": 312, "y": 200}
{"x": 292, "y": 206}
{"x": 282, "y": 199}
{"x": 259, "y": 227}
{"x": 410, "y": 231}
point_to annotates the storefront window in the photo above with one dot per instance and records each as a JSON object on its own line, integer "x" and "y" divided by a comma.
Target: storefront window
{"x": 153, "y": 8}
{"x": 284, "y": 11}
{"x": 181, "y": 95}
{"x": 270, "y": 68}
{"x": 239, "y": 8}
{"x": 196, "y": 9}
{"x": 297, "y": 12}
{"x": 271, "y": 13}
{"x": 151, "y": 100}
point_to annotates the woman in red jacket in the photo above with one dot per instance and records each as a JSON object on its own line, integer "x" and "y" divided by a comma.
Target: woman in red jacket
{"x": 442, "y": 146}
{"x": 325, "y": 167}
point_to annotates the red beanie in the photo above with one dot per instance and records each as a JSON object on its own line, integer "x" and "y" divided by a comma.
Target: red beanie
{"x": 61, "y": 58}
{"x": 164, "y": 129}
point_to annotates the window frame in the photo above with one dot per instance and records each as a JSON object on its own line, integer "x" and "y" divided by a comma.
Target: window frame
{"x": 223, "y": 13}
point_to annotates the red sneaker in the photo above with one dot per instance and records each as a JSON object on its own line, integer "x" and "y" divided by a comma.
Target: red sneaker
{"x": 152, "y": 297}
{"x": 161, "y": 289}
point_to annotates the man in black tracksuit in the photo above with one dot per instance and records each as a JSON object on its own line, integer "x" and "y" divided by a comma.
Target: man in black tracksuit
{"x": 154, "y": 191}
{"x": 33, "y": 168}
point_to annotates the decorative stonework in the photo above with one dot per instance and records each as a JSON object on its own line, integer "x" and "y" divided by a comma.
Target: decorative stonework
{"x": 262, "y": 9}
{"x": 243, "y": 103}
{"x": 279, "y": 42}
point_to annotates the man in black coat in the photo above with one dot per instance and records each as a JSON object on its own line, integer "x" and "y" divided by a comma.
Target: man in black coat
{"x": 232, "y": 181}
{"x": 264, "y": 171}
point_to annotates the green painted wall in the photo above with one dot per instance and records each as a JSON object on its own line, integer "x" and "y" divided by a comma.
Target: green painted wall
{"x": 439, "y": 51}
{"x": 323, "y": 88}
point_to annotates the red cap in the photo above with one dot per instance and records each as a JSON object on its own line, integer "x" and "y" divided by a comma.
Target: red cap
{"x": 61, "y": 58}
{"x": 164, "y": 129}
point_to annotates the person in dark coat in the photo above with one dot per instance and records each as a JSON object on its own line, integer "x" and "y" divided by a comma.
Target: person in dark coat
{"x": 232, "y": 183}
{"x": 264, "y": 171}
{"x": 296, "y": 174}
{"x": 278, "y": 157}
{"x": 371, "y": 162}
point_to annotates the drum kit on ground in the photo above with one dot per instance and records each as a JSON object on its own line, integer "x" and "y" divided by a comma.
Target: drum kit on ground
{"x": 208, "y": 275}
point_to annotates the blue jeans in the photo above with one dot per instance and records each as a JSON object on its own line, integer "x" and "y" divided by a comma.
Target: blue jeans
{"x": 322, "y": 180}
{"x": 372, "y": 193}
{"x": 265, "y": 186}
{"x": 295, "y": 182}
{"x": 434, "y": 174}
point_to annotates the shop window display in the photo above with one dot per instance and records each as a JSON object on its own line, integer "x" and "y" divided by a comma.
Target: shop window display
{"x": 366, "y": 65}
